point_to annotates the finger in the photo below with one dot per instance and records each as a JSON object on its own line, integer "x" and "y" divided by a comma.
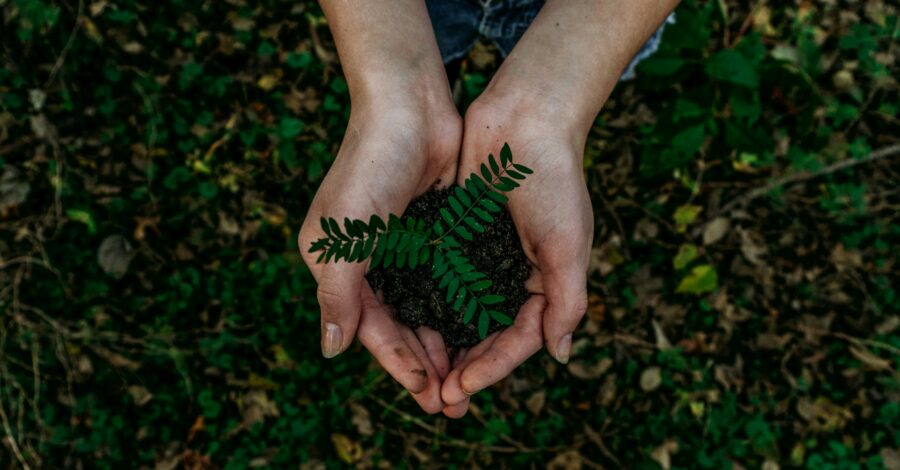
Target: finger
{"x": 380, "y": 335}
{"x": 429, "y": 399}
{"x": 566, "y": 292}
{"x": 458, "y": 410}
{"x": 434, "y": 347}
{"x": 513, "y": 346}
{"x": 340, "y": 286}
{"x": 452, "y": 392}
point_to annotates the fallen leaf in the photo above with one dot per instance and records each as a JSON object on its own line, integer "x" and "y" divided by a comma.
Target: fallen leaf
{"x": 651, "y": 379}
{"x": 13, "y": 188}
{"x": 662, "y": 454}
{"x": 587, "y": 370}
{"x": 871, "y": 361}
{"x": 890, "y": 458}
{"x": 114, "y": 255}
{"x": 536, "y": 401}
{"x": 686, "y": 253}
{"x": 347, "y": 449}
{"x": 701, "y": 279}
{"x": 140, "y": 394}
{"x": 715, "y": 230}
{"x": 568, "y": 460}
{"x": 361, "y": 419}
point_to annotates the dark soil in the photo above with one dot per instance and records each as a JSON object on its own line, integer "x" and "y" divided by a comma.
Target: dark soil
{"x": 418, "y": 301}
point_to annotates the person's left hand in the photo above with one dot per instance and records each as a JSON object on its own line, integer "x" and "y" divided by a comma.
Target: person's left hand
{"x": 552, "y": 213}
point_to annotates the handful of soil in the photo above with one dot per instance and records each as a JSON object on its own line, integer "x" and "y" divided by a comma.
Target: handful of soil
{"x": 418, "y": 301}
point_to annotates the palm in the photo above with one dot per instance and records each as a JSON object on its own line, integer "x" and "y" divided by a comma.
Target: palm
{"x": 552, "y": 213}
{"x": 382, "y": 164}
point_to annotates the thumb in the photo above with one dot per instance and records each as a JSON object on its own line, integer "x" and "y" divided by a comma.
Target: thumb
{"x": 565, "y": 289}
{"x": 339, "y": 295}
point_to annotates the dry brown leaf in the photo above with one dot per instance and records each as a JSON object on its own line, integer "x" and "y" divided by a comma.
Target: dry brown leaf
{"x": 347, "y": 449}
{"x": 536, "y": 401}
{"x": 587, "y": 371}
{"x": 715, "y": 230}
{"x": 568, "y": 460}
{"x": 663, "y": 453}
{"x": 651, "y": 379}
{"x": 114, "y": 255}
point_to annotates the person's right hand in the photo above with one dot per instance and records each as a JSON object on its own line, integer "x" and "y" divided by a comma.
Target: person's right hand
{"x": 390, "y": 154}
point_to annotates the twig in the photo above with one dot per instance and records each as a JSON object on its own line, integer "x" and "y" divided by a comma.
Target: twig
{"x": 12, "y": 440}
{"x": 62, "y": 55}
{"x": 745, "y": 198}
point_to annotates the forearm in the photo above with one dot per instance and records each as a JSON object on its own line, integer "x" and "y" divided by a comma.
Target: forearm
{"x": 387, "y": 50}
{"x": 571, "y": 57}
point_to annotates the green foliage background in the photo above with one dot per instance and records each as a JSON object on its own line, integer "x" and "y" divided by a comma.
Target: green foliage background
{"x": 157, "y": 158}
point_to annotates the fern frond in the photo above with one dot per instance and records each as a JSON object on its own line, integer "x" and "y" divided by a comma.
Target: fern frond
{"x": 465, "y": 286}
{"x": 358, "y": 241}
{"x": 470, "y": 205}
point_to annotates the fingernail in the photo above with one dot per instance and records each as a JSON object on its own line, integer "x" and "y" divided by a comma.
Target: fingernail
{"x": 564, "y": 348}
{"x": 331, "y": 340}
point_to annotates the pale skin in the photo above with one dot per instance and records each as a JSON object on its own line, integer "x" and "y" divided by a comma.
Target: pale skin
{"x": 403, "y": 124}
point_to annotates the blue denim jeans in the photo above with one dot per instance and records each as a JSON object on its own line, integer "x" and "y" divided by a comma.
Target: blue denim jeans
{"x": 459, "y": 23}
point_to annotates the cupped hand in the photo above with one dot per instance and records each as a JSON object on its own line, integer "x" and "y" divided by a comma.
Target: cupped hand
{"x": 552, "y": 213}
{"x": 389, "y": 155}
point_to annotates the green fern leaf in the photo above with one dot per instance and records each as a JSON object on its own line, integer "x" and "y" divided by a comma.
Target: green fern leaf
{"x": 336, "y": 229}
{"x": 400, "y": 258}
{"x": 489, "y": 204}
{"x": 472, "y": 275}
{"x": 424, "y": 255}
{"x": 325, "y": 227}
{"x": 485, "y": 173}
{"x": 360, "y": 227}
{"x": 394, "y": 223}
{"x": 445, "y": 279}
{"x": 494, "y": 167}
{"x": 367, "y": 247}
{"x": 460, "y": 299}
{"x": 487, "y": 218}
{"x": 455, "y": 205}
{"x": 491, "y": 299}
{"x": 480, "y": 285}
{"x": 497, "y": 197}
{"x": 471, "y": 187}
{"x": 510, "y": 182}
{"x": 524, "y": 169}
{"x": 356, "y": 253}
{"x": 483, "y": 323}
{"x": 318, "y": 245}
{"x": 461, "y": 231}
{"x": 451, "y": 289}
{"x": 321, "y": 256}
{"x": 376, "y": 223}
{"x": 447, "y": 216}
{"x": 462, "y": 195}
{"x": 378, "y": 255}
{"x": 505, "y": 155}
{"x": 474, "y": 225}
{"x": 470, "y": 310}
{"x": 515, "y": 174}
{"x": 500, "y": 317}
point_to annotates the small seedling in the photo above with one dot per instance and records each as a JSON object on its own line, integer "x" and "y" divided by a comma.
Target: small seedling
{"x": 408, "y": 242}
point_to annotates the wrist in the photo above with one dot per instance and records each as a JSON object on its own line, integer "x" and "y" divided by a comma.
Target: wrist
{"x": 533, "y": 105}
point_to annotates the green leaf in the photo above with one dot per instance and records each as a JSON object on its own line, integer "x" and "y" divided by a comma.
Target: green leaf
{"x": 333, "y": 252}
{"x": 485, "y": 173}
{"x": 379, "y": 251}
{"x": 460, "y": 299}
{"x": 462, "y": 195}
{"x": 480, "y": 185}
{"x": 461, "y": 231}
{"x": 424, "y": 255}
{"x": 470, "y": 310}
{"x": 524, "y": 169}
{"x": 325, "y": 227}
{"x": 321, "y": 257}
{"x": 729, "y": 65}
{"x": 318, "y": 245}
{"x": 439, "y": 270}
{"x": 413, "y": 259}
{"x": 351, "y": 228}
{"x": 483, "y": 323}
{"x": 392, "y": 239}
{"x": 471, "y": 188}
{"x": 515, "y": 174}
{"x": 394, "y": 222}
{"x": 447, "y": 216}
{"x": 491, "y": 299}
{"x": 472, "y": 275}
{"x": 438, "y": 228}
{"x": 494, "y": 167}
{"x": 356, "y": 253}
{"x": 686, "y": 214}
{"x": 445, "y": 280}
{"x": 702, "y": 279}
{"x": 455, "y": 205}
{"x": 497, "y": 197}
{"x": 471, "y": 222}
{"x": 376, "y": 223}
{"x": 505, "y": 155}
{"x": 451, "y": 289}
{"x": 480, "y": 285}
{"x": 509, "y": 182}
{"x": 484, "y": 216}
{"x": 367, "y": 247}
{"x": 500, "y": 317}
{"x": 336, "y": 229}
{"x": 489, "y": 205}
{"x": 401, "y": 258}
{"x": 686, "y": 253}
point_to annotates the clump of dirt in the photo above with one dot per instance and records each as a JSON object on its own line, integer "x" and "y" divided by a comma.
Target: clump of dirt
{"x": 418, "y": 301}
